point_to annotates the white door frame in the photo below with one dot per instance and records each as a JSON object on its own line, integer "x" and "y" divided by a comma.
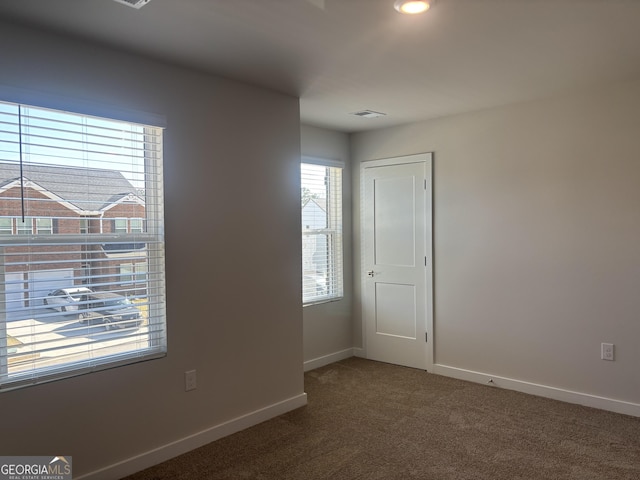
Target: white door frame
{"x": 427, "y": 159}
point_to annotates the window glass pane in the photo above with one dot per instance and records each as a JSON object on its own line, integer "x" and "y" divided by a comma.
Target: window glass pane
{"x": 83, "y": 288}
{"x": 136, "y": 225}
{"x": 6, "y": 226}
{"x": 126, "y": 273}
{"x": 44, "y": 226}
{"x": 24, "y": 227}
{"x": 120, "y": 225}
{"x": 141, "y": 272}
{"x": 321, "y": 199}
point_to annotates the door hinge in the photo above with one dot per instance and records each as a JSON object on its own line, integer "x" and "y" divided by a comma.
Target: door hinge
{"x": 426, "y": 337}
{"x": 425, "y": 183}
{"x": 425, "y": 261}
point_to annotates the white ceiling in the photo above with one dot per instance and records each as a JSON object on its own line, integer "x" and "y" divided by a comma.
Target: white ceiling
{"x": 342, "y": 56}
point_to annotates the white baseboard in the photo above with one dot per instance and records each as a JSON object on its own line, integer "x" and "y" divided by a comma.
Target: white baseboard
{"x": 359, "y": 352}
{"x": 327, "y": 359}
{"x": 603, "y": 403}
{"x": 186, "y": 444}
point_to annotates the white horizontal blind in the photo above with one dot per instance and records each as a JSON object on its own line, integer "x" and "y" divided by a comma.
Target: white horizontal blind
{"x": 81, "y": 206}
{"x": 322, "y": 278}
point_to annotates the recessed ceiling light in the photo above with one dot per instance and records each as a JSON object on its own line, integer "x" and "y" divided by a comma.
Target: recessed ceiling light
{"x": 413, "y": 7}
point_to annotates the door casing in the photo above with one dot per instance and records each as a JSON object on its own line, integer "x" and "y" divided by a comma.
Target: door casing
{"x": 427, "y": 160}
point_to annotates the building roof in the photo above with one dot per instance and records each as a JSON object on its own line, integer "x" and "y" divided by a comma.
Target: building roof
{"x": 319, "y": 201}
{"x": 88, "y": 189}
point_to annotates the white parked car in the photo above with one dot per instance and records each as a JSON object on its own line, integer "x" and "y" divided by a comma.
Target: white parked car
{"x": 66, "y": 299}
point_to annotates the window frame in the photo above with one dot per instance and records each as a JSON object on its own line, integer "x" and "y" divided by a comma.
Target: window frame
{"x": 153, "y": 239}
{"x": 332, "y": 232}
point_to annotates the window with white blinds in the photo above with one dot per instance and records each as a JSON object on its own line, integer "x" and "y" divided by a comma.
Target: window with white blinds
{"x": 321, "y": 231}
{"x": 81, "y": 244}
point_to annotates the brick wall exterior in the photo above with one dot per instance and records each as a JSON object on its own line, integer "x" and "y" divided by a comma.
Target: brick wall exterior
{"x": 83, "y": 259}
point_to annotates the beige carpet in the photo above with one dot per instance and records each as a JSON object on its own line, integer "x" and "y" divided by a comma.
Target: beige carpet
{"x": 367, "y": 421}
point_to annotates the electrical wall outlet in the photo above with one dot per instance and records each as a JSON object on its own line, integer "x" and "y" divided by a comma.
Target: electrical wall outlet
{"x": 189, "y": 380}
{"x": 606, "y": 351}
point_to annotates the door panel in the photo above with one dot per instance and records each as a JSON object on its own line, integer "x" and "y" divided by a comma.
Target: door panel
{"x": 397, "y": 257}
{"x": 396, "y": 310}
{"x": 394, "y": 224}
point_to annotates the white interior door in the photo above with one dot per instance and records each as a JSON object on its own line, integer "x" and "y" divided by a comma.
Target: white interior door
{"x": 397, "y": 279}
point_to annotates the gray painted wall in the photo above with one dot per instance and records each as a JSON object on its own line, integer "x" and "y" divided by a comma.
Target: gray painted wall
{"x": 232, "y": 193}
{"x": 535, "y": 248}
{"x": 536, "y": 228}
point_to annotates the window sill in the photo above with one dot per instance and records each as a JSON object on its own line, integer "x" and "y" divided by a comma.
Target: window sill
{"x": 322, "y": 301}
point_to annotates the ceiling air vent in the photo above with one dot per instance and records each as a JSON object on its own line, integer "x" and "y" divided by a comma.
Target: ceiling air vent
{"x": 368, "y": 114}
{"x": 133, "y": 3}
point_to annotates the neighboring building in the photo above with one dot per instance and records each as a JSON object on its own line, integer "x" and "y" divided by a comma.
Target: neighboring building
{"x": 314, "y": 247}
{"x": 101, "y": 201}
{"x": 314, "y": 214}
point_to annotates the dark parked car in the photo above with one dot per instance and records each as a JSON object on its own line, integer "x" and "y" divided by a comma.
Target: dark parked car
{"x": 114, "y": 310}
